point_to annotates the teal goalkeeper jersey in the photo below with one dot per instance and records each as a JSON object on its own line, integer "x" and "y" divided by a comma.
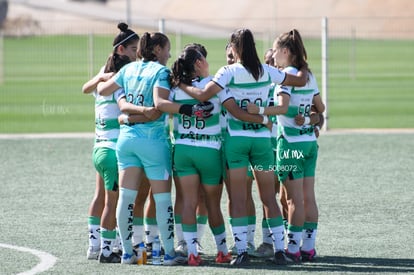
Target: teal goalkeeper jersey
{"x": 138, "y": 80}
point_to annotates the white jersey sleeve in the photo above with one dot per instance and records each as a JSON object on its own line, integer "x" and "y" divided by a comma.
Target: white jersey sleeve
{"x": 223, "y": 76}
{"x": 277, "y": 76}
{"x": 283, "y": 88}
{"x": 224, "y": 95}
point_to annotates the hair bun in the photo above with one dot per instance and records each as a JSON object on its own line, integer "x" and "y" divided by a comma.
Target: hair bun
{"x": 123, "y": 26}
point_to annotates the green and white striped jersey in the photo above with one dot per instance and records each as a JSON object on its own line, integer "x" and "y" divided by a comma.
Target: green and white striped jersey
{"x": 300, "y": 102}
{"x": 245, "y": 89}
{"x": 196, "y": 131}
{"x": 106, "y": 119}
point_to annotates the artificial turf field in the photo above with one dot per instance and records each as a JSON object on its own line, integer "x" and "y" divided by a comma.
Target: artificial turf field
{"x": 363, "y": 185}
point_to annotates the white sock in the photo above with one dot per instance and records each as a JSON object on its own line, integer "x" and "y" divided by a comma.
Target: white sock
{"x": 201, "y": 228}
{"x": 108, "y": 239}
{"x": 151, "y": 231}
{"x": 278, "y": 233}
{"x": 240, "y": 238}
{"x": 251, "y": 228}
{"x": 191, "y": 240}
{"x": 293, "y": 239}
{"x": 221, "y": 244}
{"x": 124, "y": 216}
{"x": 178, "y": 229}
{"x": 137, "y": 237}
{"x": 94, "y": 236}
{"x": 165, "y": 221}
{"x": 308, "y": 239}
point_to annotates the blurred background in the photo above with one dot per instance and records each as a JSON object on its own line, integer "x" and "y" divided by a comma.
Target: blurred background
{"x": 361, "y": 51}
{"x": 347, "y": 18}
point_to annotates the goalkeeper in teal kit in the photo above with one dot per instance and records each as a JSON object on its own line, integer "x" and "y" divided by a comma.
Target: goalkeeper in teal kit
{"x": 144, "y": 147}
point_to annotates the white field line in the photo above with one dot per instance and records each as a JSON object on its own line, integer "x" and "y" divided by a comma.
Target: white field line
{"x": 47, "y": 135}
{"x": 47, "y": 261}
{"x": 329, "y": 132}
{"x": 383, "y": 131}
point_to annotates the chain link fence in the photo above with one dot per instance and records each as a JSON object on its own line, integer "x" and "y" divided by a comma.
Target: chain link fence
{"x": 89, "y": 43}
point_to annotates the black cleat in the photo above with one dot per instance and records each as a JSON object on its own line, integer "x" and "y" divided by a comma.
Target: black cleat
{"x": 113, "y": 258}
{"x": 308, "y": 256}
{"x": 280, "y": 258}
{"x": 241, "y": 260}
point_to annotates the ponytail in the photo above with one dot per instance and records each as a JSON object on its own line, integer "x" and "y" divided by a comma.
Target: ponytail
{"x": 183, "y": 71}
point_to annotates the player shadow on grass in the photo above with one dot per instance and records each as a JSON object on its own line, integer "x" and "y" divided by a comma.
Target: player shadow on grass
{"x": 329, "y": 264}
{"x": 361, "y": 264}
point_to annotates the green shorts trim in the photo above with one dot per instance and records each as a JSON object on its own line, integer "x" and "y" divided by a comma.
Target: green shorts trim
{"x": 203, "y": 161}
{"x": 105, "y": 162}
{"x": 296, "y": 160}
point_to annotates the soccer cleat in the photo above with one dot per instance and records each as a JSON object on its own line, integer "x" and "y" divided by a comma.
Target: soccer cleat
{"x": 117, "y": 250}
{"x": 250, "y": 248}
{"x": 194, "y": 260}
{"x": 308, "y": 256}
{"x": 280, "y": 258}
{"x": 129, "y": 259}
{"x": 200, "y": 249}
{"x": 176, "y": 260}
{"x": 293, "y": 258}
{"x": 241, "y": 260}
{"x": 265, "y": 250}
{"x": 223, "y": 259}
{"x": 181, "y": 248}
{"x": 93, "y": 253}
{"x": 117, "y": 247}
{"x": 113, "y": 258}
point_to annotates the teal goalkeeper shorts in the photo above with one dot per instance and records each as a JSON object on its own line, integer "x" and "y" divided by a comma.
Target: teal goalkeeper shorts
{"x": 151, "y": 155}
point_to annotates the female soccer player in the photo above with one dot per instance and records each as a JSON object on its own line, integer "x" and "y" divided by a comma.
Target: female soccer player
{"x": 248, "y": 143}
{"x": 297, "y": 149}
{"x": 102, "y": 221}
{"x": 144, "y": 146}
{"x": 198, "y": 156}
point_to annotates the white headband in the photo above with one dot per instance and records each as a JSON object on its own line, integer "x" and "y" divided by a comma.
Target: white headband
{"x": 120, "y": 43}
